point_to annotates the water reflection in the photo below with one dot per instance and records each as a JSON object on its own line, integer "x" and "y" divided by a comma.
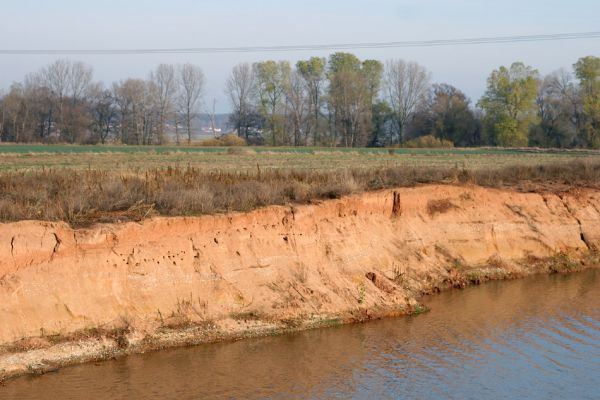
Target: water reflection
{"x": 534, "y": 338}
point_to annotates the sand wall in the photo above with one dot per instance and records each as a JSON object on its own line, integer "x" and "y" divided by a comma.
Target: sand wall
{"x": 365, "y": 253}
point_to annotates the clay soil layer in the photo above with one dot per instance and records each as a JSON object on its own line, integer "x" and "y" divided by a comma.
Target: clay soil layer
{"x": 72, "y": 295}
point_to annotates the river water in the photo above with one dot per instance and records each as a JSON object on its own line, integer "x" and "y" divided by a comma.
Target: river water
{"x": 537, "y": 338}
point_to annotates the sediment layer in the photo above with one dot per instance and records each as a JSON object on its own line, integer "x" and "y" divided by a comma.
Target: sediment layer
{"x": 69, "y": 295}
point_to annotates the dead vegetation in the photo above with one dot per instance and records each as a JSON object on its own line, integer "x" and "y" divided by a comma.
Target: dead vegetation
{"x": 91, "y": 196}
{"x": 225, "y": 141}
{"x": 440, "y": 206}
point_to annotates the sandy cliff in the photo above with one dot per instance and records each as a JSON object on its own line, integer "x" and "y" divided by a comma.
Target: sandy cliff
{"x": 358, "y": 257}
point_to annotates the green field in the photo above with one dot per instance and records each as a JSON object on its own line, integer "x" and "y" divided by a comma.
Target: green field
{"x": 128, "y": 158}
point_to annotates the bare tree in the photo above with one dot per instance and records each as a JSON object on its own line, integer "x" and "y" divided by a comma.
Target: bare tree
{"x": 56, "y": 77}
{"x": 298, "y": 103}
{"x": 76, "y": 118}
{"x": 559, "y": 108}
{"x": 67, "y": 83}
{"x": 79, "y": 80}
{"x": 3, "y": 114}
{"x": 38, "y": 106}
{"x": 164, "y": 87}
{"x": 241, "y": 91}
{"x": 191, "y": 87}
{"x": 134, "y": 99}
{"x": 103, "y": 108}
{"x": 124, "y": 106}
{"x": 213, "y": 118}
{"x": 407, "y": 85}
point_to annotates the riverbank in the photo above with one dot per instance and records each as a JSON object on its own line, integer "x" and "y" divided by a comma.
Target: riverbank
{"x": 75, "y": 295}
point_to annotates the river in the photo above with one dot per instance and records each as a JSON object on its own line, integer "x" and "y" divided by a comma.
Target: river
{"x": 536, "y": 338}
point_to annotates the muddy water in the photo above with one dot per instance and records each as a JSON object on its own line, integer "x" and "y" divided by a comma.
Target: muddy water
{"x": 536, "y": 338}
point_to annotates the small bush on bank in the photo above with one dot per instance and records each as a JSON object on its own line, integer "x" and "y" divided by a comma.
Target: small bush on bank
{"x": 426, "y": 142}
{"x": 229, "y": 140}
{"x": 233, "y": 140}
{"x": 441, "y": 206}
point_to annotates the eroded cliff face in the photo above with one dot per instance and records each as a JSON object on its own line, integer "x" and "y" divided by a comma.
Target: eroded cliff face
{"x": 362, "y": 255}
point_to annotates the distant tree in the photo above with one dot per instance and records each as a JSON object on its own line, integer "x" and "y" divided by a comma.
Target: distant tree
{"x": 299, "y": 106}
{"x": 241, "y": 90}
{"x": 136, "y": 106}
{"x": 420, "y": 123}
{"x": 11, "y": 111}
{"x": 587, "y": 70}
{"x": 350, "y": 97}
{"x": 407, "y": 85}
{"x": 164, "y": 87}
{"x": 124, "y": 104}
{"x": 272, "y": 78}
{"x": 372, "y": 71}
{"x": 38, "y": 108}
{"x": 313, "y": 72}
{"x": 452, "y": 118}
{"x": 67, "y": 83}
{"x": 382, "y": 117}
{"x": 346, "y": 96}
{"x": 509, "y": 104}
{"x": 104, "y": 113}
{"x": 191, "y": 85}
{"x": 76, "y": 118}
{"x": 2, "y": 116}
{"x": 558, "y": 110}
{"x": 56, "y": 79}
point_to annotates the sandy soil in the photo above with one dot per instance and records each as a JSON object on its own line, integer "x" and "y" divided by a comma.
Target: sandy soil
{"x": 69, "y": 296}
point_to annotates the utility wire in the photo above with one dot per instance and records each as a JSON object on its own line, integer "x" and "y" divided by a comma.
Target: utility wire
{"x": 306, "y": 47}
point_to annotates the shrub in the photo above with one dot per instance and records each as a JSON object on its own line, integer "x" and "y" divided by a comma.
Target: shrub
{"x": 233, "y": 140}
{"x": 428, "y": 141}
{"x": 228, "y": 140}
{"x": 441, "y": 206}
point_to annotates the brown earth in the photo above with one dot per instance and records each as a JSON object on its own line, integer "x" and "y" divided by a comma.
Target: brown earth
{"x": 71, "y": 295}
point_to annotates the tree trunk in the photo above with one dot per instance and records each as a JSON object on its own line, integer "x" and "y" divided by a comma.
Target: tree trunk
{"x": 189, "y": 127}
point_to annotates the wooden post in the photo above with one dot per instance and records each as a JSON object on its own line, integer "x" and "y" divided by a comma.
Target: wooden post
{"x": 397, "y": 207}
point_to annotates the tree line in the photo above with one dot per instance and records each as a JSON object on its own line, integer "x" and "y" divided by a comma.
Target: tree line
{"x": 62, "y": 103}
{"x": 336, "y": 101}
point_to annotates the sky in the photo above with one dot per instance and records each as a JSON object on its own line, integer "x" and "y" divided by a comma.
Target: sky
{"x": 119, "y": 24}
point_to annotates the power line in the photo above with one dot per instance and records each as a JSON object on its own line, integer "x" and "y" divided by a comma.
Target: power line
{"x": 313, "y": 47}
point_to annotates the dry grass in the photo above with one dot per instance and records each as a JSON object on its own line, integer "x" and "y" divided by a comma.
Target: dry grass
{"x": 428, "y": 142}
{"x": 83, "y": 197}
{"x": 441, "y": 206}
{"x": 227, "y": 140}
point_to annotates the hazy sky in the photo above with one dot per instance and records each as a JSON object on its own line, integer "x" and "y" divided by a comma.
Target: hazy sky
{"x": 51, "y": 24}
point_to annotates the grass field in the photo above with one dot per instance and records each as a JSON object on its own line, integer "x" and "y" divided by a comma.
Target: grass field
{"x": 246, "y": 160}
{"x": 68, "y": 149}
{"x": 84, "y": 185}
